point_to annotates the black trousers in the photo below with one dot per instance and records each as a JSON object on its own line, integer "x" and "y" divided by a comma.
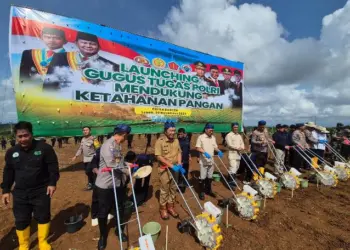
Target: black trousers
{"x": 345, "y": 151}
{"x": 259, "y": 158}
{"x": 141, "y": 188}
{"x": 89, "y": 173}
{"x": 130, "y": 139}
{"x": 106, "y": 202}
{"x": 27, "y": 203}
{"x": 298, "y": 160}
{"x": 94, "y": 204}
{"x": 149, "y": 139}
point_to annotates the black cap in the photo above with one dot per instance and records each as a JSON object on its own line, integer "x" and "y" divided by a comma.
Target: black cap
{"x": 54, "y": 31}
{"x": 200, "y": 65}
{"x": 293, "y": 126}
{"x": 278, "y": 126}
{"x": 285, "y": 126}
{"x": 87, "y": 37}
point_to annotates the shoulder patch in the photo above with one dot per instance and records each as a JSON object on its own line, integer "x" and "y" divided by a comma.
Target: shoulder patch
{"x": 37, "y": 152}
{"x": 15, "y": 155}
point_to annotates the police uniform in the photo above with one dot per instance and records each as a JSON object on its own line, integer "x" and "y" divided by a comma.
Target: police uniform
{"x": 87, "y": 148}
{"x": 170, "y": 150}
{"x": 111, "y": 157}
{"x": 227, "y": 83}
{"x": 299, "y": 138}
{"x": 32, "y": 171}
{"x": 259, "y": 146}
{"x": 203, "y": 80}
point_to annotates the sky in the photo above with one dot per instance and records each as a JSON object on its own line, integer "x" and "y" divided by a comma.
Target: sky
{"x": 296, "y": 53}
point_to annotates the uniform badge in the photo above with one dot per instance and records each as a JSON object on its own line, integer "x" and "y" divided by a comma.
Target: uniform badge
{"x": 15, "y": 155}
{"x": 37, "y": 153}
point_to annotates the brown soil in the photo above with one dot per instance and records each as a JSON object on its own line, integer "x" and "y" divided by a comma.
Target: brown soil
{"x": 312, "y": 219}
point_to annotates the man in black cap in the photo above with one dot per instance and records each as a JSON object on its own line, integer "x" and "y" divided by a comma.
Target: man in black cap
{"x": 35, "y": 62}
{"x": 33, "y": 167}
{"x": 259, "y": 145}
{"x": 281, "y": 145}
{"x": 111, "y": 159}
{"x": 87, "y": 57}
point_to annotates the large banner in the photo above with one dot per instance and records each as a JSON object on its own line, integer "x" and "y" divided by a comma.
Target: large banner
{"x": 70, "y": 73}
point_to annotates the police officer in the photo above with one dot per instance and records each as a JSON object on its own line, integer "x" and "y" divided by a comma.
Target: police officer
{"x": 88, "y": 147}
{"x": 33, "y": 166}
{"x": 299, "y": 140}
{"x": 259, "y": 145}
{"x": 111, "y": 159}
{"x": 206, "y": 145}
{"x": 226, "y": 83}
{"x": 200, "y": 69}
{"x": 168, "y": 153}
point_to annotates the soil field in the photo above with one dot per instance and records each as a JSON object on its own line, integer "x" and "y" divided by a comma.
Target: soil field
{"x": 315, "y": 218}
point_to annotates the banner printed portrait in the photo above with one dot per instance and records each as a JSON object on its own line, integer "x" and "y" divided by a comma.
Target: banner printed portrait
{"x": 70, "y": 73}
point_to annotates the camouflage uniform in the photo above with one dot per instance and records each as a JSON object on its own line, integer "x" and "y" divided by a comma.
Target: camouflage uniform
{"x": 299, "y": 138}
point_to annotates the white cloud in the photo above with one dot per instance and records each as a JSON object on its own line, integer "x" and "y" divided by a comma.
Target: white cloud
{"x": 8, "y": 113}
{"x": 288, "y": 81}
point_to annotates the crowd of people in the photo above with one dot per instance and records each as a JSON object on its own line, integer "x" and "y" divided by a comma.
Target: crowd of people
{"x": 32, "y": 165}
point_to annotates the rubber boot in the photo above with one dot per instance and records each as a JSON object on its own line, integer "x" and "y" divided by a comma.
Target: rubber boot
{"x": 163, "y": 213}
{"x": 124, "y": 236}
{"x": 208, "y": 188}
{"x": 23, "y": 238}
{"x": 43, "y": 234}
{"x": 102, "y": 242}
{"x": 201, "y": 190}
{"x": 171, "y": 210}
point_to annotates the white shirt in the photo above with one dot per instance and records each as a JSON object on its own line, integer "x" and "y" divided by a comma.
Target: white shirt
{"x": 208, "y": 144}
{"x": 319, "y": 136}
{"x": 234, "y": 141}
